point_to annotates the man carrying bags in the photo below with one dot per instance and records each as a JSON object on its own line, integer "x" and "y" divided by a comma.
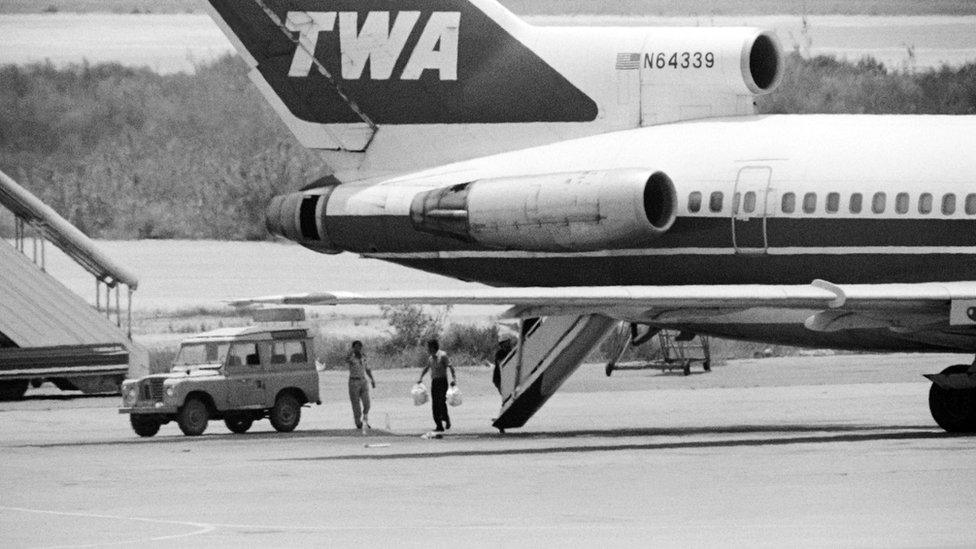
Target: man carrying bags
{"x": 438, "y": 365}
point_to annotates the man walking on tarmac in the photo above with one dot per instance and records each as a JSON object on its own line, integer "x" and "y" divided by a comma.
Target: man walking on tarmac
{"x": 438, "y": 365}
{"x": 358, "y": 390}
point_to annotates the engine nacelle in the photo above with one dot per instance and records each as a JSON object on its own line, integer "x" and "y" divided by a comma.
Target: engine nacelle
{"x": 569, "y": 212}
{"x": 702, "y": 72}
{"x": 299, "y": 216}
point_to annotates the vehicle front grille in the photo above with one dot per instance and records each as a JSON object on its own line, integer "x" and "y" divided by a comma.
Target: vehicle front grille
{"x": 153, "y": 390}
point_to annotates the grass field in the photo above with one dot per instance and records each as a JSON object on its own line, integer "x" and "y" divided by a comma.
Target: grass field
{"x": 625, "y": 7}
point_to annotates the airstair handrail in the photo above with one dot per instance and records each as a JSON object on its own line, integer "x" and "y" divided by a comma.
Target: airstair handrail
{"x": 63, "y": 234}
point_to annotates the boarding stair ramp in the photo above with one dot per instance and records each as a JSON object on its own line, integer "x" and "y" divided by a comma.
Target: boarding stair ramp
{"x": 48, "y": 332}
{"x": 550, "y": 349}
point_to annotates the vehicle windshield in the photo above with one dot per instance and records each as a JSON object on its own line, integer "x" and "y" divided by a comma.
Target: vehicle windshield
{"x": 196, "y": 354}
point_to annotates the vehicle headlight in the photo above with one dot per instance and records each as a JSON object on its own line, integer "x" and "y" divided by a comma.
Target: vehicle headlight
{"x": 129, "y": 394}
{"x": 169, "y": 391}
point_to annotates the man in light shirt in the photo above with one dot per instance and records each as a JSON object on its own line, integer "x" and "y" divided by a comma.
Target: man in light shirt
{"x": 358, "y": 390}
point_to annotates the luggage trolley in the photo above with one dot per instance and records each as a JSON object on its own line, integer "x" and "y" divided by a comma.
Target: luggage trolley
{"x": 679, "y": 350}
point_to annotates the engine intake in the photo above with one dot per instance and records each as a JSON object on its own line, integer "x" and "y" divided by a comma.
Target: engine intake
{"x": 569, "y": 212}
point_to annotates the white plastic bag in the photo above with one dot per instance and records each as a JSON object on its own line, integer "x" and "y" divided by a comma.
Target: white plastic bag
{"x": 454, "y": 396}
{"x": 419, "y": 394}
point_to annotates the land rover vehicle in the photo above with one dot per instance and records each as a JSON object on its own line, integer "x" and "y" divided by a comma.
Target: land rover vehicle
{"x": 238, "y": 375}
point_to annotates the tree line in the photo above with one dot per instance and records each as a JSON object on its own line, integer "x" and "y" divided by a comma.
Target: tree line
{"x": 126, "y": 153}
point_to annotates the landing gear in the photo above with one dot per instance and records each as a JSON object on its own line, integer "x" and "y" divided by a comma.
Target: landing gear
{"x": 952, "y": 399}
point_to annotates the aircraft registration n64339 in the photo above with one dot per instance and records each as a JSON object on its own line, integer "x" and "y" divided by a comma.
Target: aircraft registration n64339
{"x": 599, "y": 176}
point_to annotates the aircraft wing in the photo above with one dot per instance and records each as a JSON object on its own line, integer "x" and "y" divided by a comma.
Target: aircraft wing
{"x": 833, "y": 307}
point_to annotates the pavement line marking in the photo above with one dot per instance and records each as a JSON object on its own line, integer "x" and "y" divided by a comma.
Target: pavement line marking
{"x": 204, "y": 528}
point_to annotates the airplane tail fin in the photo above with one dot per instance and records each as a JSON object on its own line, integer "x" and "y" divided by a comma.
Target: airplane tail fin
{"x": 396, "y": 85}
{"x": 341, "y": 73}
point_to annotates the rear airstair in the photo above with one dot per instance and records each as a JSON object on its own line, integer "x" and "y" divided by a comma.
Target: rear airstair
{"x": 550, "y": 349}
{"x": 47, "y": 332}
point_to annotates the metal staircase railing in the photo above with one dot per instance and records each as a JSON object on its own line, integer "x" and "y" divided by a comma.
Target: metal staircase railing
{"x": 39, "y": 223}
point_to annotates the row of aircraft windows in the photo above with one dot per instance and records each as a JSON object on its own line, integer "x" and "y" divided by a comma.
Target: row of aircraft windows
{"x": 879, "y": 203}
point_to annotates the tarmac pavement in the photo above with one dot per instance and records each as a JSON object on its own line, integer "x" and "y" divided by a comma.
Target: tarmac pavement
{"x": 801, "y": 451}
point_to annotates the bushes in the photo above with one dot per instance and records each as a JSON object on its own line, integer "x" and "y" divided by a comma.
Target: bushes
{"x": 127, "y": 153}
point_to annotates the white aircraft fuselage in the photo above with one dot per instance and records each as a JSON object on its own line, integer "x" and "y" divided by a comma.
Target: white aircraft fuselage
{"x": 594, "y": 176}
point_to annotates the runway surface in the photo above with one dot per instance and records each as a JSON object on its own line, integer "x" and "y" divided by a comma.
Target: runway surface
{"x": 803, "y": 451}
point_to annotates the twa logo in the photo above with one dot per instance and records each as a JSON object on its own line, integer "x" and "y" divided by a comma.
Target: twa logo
{"x": 378, "y": 42}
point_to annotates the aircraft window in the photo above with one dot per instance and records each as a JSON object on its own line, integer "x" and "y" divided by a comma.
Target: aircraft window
{"x": 970, "y": 204}
{"x": 716, "y": 201}
{"x": 736, "y": 200}
{"x": 789, "y": 203}
{"x": 901, "y": 203}
{"x": 925, "y": 203}
{"x": 694, "y": 202}
{"x": 833, "y": 202}
{"x": 856, "y": 201}
{"x": 878, "y": 203}
{"x": 749, "y": 205}
{"x": 949, "y": 204}
{"x": 810, "y": 202}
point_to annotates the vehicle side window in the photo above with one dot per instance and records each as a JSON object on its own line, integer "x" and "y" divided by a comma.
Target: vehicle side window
{"x": 879, "y": 203}
{"x": 810, "y": 203}
{"x": 243, "y": 353}
{"x": 716, "y": 201}
{"x": 901, "y": 203}
{"x": 949, "y": 204}
{"x": 856, "y": 203}
{"x": 694, "y": 202}
{"x": 296, "y": 352}
{"x": 925, "y": 203}
{"x": 278, "y": 353}
{"x": 971, "y": 204}
{"x": 749, "y": 203}
{"x": 789, "y": 203}
{"x": 833, "y": 202}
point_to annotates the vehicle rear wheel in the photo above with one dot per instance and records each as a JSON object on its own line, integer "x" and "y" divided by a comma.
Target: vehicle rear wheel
{"x": 954, "y": 409}
{"x": 286, "y": 413}
{"x": 143, "y": 425}
{"x": 238, "y": 423}
{"x": 193, "y": 417}
{"x": 13, "y": 389}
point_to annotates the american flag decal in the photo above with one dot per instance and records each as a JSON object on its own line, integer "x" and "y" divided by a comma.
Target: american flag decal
{"x": 628, "y": 61}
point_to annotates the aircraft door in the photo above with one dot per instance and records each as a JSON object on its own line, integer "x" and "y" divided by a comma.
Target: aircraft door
{"x": 750, "y": 209}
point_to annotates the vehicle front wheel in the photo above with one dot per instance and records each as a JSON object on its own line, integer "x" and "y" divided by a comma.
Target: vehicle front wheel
{"x": 143, "y": 425}
{"x": 193, "y": 417}
{"x": 286, "y": 413}
{"x": 238, "y": 423}
{"x": 954, "y": 409}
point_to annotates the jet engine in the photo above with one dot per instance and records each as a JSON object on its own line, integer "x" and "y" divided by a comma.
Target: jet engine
{"x": 739, "y": 61}
{"x": 299, "y": 216}
{"x": 568, "y": 212}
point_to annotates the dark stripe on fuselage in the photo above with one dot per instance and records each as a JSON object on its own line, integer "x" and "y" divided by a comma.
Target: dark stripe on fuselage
{"x": 395, "y": 234}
